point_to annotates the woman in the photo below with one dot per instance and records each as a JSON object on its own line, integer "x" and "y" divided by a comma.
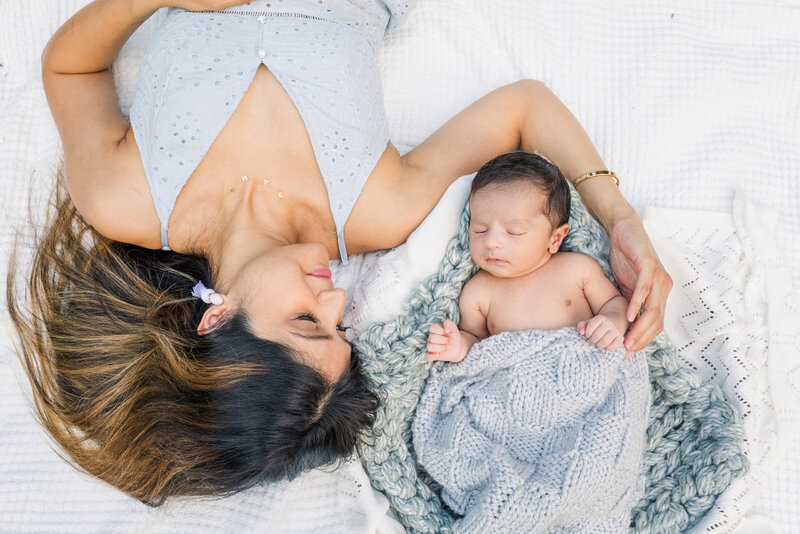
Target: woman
{"x": 257, "y": 150}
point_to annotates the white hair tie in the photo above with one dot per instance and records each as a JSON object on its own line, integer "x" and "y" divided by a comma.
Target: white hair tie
{"x": 208, "y": 295}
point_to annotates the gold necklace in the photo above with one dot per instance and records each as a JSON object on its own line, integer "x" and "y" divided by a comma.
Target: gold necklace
{"x": 280, "y": 194}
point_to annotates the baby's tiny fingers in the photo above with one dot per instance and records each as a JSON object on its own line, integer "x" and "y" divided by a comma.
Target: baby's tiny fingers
{"x": 616, "y": 343}
{"x": 436, "y": 357}
{"x": 598, "y": 334}
{"x": 592, "y": 325}
{"x": 606, "y": 340}
{"x": 434, "y": 348}
{"x": 438, "y": 339}
{"x": 450, "y": 327}
{"x": 436, "y": 329}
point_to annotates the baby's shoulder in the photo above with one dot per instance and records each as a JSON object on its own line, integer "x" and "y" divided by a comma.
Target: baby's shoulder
{"x": 481, "y": 280}
{"x": 577, "y": 264}
{"x": 478, "y": 287}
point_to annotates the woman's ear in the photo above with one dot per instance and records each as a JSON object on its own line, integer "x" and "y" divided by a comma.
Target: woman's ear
{"x": 557, "y": 237}
{"x": 211, "y": 317}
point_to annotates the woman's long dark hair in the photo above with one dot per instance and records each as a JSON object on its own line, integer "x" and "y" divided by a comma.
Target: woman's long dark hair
{"x": 133, "y": 395}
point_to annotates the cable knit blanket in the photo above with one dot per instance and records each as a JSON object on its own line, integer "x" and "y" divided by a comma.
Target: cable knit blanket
{"x": 537, "y": 431}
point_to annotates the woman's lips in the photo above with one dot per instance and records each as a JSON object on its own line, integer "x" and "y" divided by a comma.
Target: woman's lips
{"x": 321, "y": 273}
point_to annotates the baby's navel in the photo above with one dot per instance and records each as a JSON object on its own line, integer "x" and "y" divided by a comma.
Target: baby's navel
{"x": 569, "y": 302}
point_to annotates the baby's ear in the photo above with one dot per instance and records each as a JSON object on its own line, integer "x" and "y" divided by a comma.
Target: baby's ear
{"x": 557, "y": 237}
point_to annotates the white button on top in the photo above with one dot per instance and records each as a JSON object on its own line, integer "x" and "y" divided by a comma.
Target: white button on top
{"x": 262, "y": 53}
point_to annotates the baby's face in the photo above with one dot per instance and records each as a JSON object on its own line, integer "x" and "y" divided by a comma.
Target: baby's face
{"x": 509, "y": 235}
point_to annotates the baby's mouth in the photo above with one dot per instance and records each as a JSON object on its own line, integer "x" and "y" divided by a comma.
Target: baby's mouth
{"x": 496, "y": 261}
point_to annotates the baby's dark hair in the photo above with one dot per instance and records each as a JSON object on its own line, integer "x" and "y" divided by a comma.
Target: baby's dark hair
{"x": 520, "y": 166}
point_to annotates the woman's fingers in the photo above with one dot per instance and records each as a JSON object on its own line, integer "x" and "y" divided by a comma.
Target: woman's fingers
{"x": 647, "y": 326}
{"x": 204, "y": 5}
{"x": 643, "y": 286}
{"x": 651, "y": 321}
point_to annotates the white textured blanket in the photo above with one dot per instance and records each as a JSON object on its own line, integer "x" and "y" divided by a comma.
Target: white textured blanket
{"x": 685, "y": 100}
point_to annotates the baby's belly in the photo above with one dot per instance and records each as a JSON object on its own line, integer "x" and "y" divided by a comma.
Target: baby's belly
{"x": 538, "y": 313}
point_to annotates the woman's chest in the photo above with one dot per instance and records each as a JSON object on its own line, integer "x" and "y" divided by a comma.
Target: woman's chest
{"x": 292, "y": 99}
{"x": 265, "y": 138}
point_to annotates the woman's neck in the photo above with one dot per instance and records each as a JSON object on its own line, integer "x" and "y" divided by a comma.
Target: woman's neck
{"x": 252, "y": 220}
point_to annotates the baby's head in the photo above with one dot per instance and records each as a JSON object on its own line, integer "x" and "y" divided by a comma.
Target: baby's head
{"x": 519, "y": 207}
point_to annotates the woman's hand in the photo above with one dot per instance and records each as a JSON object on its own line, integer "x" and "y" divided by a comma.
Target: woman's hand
{"x": 641, "y": 278}
{"x": 200, "y": 5}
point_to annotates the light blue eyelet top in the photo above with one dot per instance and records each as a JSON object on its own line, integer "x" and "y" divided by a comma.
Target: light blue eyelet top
{"x": 198, "y": 66}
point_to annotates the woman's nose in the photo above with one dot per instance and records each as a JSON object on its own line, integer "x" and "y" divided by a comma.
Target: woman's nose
{"x": 333, "y": 300}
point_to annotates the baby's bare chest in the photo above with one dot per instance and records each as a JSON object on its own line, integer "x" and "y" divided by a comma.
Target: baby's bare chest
{"x": 546, "y": 302}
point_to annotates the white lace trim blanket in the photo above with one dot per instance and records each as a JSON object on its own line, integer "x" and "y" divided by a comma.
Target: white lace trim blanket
{"x": 537, "y": 431}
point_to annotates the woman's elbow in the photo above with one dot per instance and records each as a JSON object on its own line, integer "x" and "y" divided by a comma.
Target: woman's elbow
{"x": 530, "y": 86}
{"x": 46, "y": 57}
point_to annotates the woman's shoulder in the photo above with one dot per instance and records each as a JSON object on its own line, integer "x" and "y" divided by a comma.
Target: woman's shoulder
{"x": 389, "y": 207}
{"x": 115, "y": 200}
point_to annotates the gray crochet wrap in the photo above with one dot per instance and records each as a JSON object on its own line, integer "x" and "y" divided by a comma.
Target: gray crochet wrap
{"x": 694, "y": 437}
{"x": 536, "y": 431}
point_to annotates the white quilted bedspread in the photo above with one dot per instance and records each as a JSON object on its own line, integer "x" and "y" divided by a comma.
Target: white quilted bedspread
{"x": 696, "y": 105}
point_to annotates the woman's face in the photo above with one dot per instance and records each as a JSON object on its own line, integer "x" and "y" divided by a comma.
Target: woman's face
{"x": 290, "y": 298}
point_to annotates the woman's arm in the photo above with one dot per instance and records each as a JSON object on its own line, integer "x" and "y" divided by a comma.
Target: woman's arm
{"x": 523, "y": 115}
{"x": 526, "y": 115}
{"x": 82, "y": 99}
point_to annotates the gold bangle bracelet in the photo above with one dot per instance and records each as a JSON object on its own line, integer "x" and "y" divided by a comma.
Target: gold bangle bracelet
{"x": 592, "y": 174}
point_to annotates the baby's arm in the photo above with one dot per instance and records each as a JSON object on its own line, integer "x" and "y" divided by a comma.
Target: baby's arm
{"x": 607, "y": 328}
{"x": 448, "y": 342}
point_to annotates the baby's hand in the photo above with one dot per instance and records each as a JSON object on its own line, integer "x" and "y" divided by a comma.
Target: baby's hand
{"x": 444, "y": 343}
{"x": 602, "y": 332}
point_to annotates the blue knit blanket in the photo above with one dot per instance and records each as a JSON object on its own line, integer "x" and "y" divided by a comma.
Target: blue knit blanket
{"x": 694, "y": 437}
{"x": 536, "y": 431}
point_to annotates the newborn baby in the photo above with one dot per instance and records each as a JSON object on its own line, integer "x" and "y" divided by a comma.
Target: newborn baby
{"x": 540, "y": 429}
{"x": 519, "y": 207}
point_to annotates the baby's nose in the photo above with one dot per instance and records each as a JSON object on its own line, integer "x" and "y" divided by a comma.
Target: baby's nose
{"x": 494, "y": 240}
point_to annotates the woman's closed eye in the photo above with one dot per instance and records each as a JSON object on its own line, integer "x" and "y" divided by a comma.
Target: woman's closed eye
{"x": 309, "y": 317}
